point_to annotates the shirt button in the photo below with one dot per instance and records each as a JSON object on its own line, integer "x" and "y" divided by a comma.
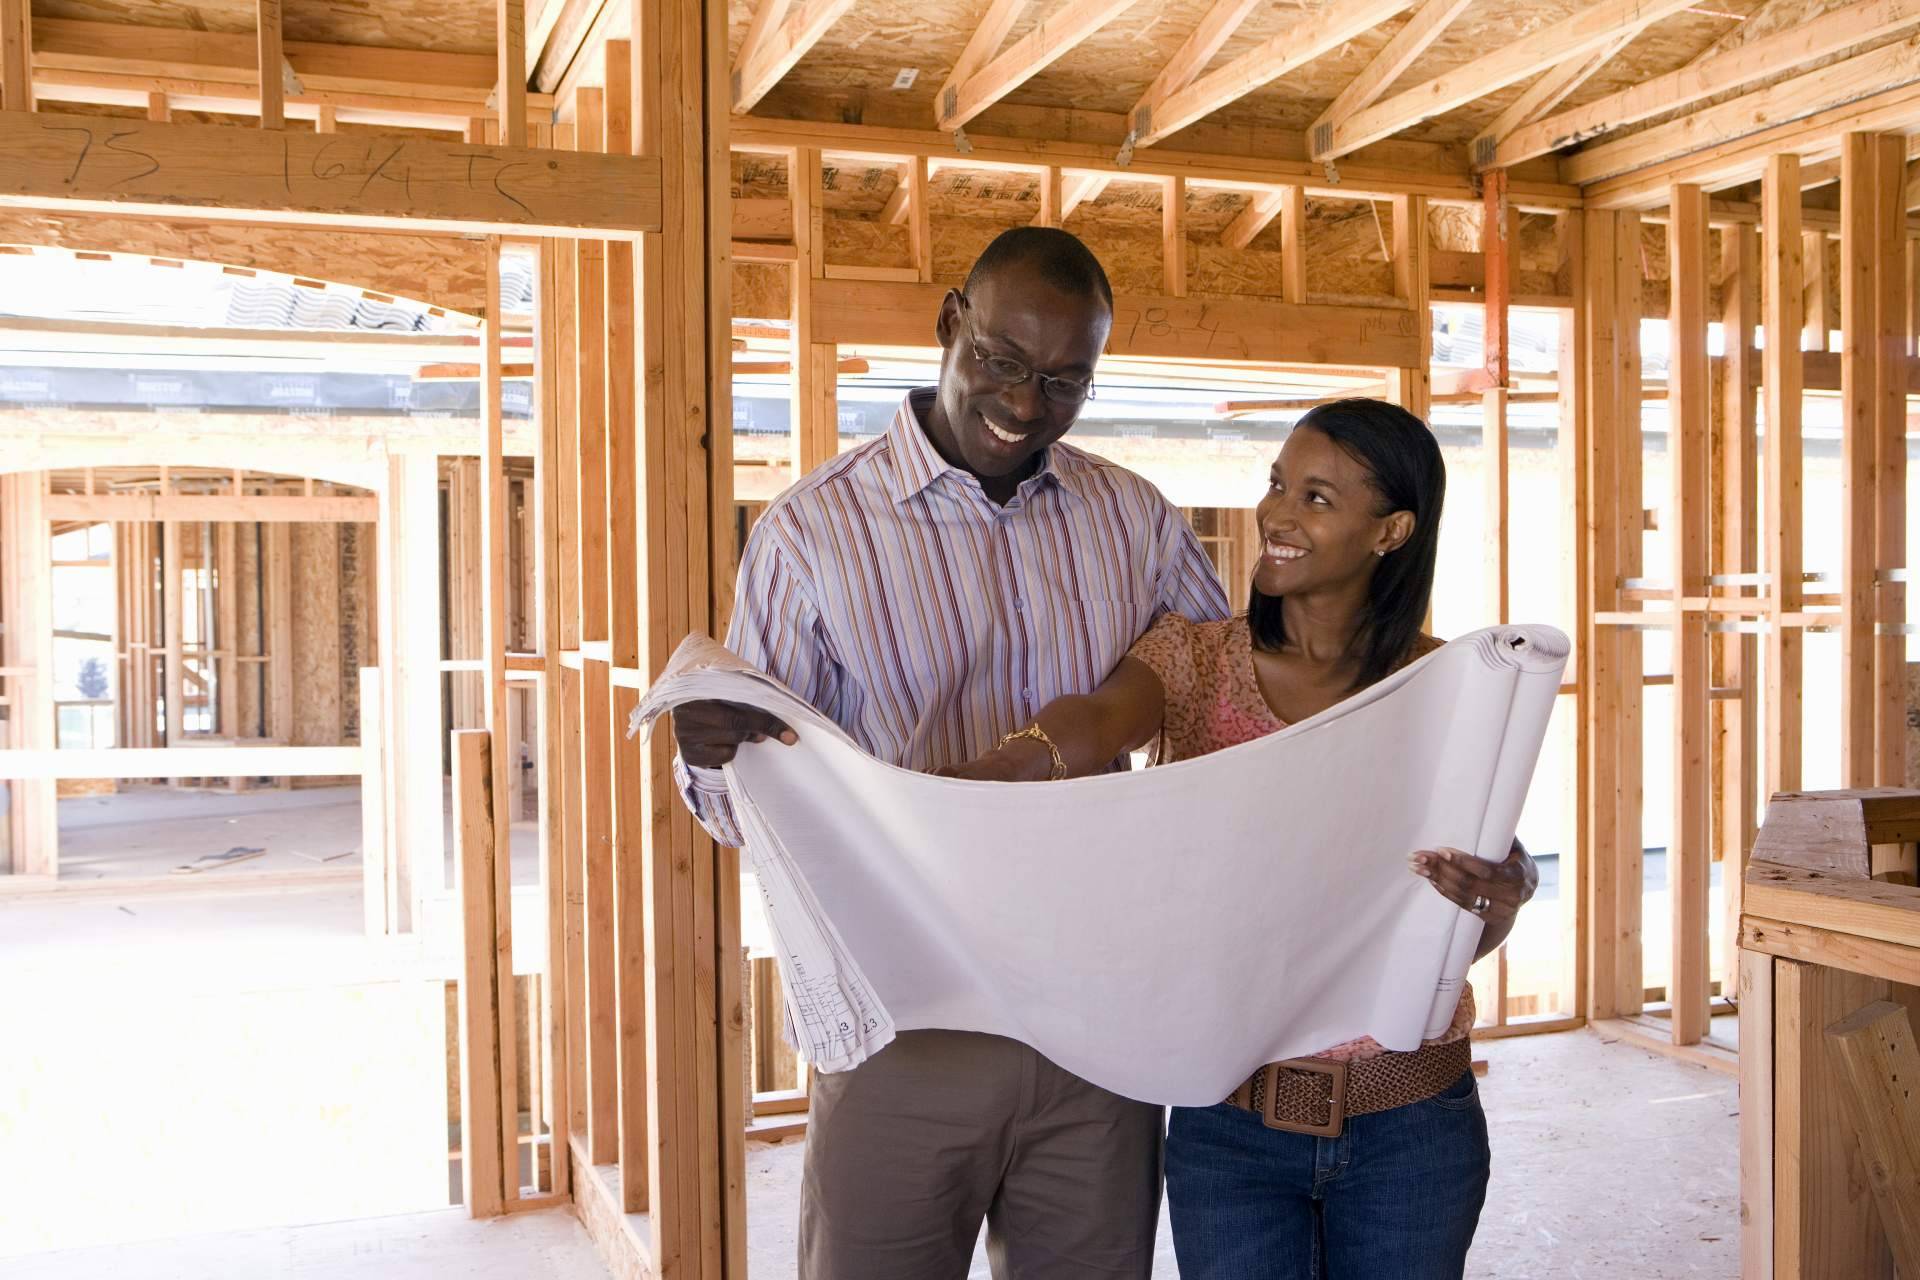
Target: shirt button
{"x": 1018, "y": 604}
{"x": 1026, "y": 696}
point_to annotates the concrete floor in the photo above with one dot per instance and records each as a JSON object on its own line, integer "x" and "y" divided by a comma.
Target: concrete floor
{"x": 148, "y": 830}
{"x": 1608, "y": 1161}
{"x": 548, "y": 1245}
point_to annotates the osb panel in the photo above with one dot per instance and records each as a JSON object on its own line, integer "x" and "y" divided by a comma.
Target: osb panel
{"x": 317, "y": 695}
{"x": 414, "y": 24}
{"x": 1107, "y": 73}
{"x": 760, "y": 291}
{"x": 442, "y": 271}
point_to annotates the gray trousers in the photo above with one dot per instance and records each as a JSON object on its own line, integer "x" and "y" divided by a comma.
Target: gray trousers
{"x": 909, "y": 1151}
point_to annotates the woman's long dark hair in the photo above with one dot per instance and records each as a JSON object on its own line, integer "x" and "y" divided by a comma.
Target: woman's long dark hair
{"x": 1405, "y": 468}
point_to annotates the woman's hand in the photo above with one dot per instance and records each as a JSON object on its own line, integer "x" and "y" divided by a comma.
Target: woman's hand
{"x": 1494, "y": 891}
{"x": 1022, "y": 760}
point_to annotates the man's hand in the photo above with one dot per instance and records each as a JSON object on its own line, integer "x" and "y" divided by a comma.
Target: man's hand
{"x": 709, "y": 733}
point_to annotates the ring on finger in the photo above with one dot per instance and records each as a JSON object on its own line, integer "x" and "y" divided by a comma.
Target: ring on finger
{"x": 1480, "y": 904}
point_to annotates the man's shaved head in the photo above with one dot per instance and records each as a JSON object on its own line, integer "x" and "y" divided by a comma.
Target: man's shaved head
{"x": 1046, "y": 253}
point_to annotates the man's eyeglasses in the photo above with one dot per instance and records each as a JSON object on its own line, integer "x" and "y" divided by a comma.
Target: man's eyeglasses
{"x": 1009, "y": 372}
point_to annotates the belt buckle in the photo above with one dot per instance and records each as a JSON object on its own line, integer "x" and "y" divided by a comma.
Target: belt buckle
{"x": 1336, "y": 1073}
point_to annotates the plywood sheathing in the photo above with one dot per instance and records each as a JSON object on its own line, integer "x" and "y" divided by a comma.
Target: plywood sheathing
{"x": 415, "y": 24}
{"x": 1764, "y": 19}
{"x": 442, "y": 271}
{"x": 1107, "y": 73}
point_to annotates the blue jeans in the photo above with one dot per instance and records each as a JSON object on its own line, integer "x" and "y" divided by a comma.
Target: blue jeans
{"x": 1395, "y": 1197}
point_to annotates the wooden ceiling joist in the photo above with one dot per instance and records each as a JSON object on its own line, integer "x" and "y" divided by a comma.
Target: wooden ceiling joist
{"x": 1714, "y": 74}
{"x": 79, "y": 61}
{"x": 1050, "y": 39}
{"x": 82, "y": 164}
{"x": 1218, "y": 24}
{"x": 1572, "y": 38}
{"x": 1252, "y": 220}
{"x": 1744, "y": 158}
{"x": 1555, "y": 85}
{"x": 1842, "y": 82}
{"x": 781, "y": 33}
{"x": 1426, "y": 25}
{"x": 1318, "y": 33}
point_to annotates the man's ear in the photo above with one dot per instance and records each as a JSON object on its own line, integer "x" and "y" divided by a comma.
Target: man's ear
{"x": 949, "y": 322}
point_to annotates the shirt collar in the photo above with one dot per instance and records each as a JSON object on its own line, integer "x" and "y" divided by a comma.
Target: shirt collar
{"x": 917, "y": 464}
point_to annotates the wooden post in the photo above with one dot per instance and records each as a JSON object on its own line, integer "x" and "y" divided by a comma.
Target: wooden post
{"x": 410, "y": 618}
{"x": 485, "y": 1147}
{"x": 1689, "y": 853}
{"x": 1052, "y": 197}
{"x": 1173, "y": 235}
{"x": 815, "y": 414}
{"x": 375, "y": 862}
{"x": 1878, "y": 1067}
{"x": 170, "y": 592}
{"x": 493, "y": 597}
{"x": 1781, "y": 377}
{"x": 1892, "y": 371}
{"x": 1602, "y": 676}
{"x": 1814, "y": 335}
{"x": 1629, "y": 521}
{"x": 1412, "y": 388}
{"x": 1571, "y": 457}
{"x": 1293, "y": 244}
{"x": 631, "y": 820}
{"x": 1825, "y": 1220}
{"x": 1495, "y": 250}
{"x": 1756, "y": 1115}
{"x": 16, "y": 55}
{"x": 1736, "y": 496}
{"x": 272, "y": 79}
{"x": 1858, "y": 340}
{"x": 596, "y": 715}
{"x": 26, "y": 645}
{"x": 696, "y": 1119}
{"x": 919, "y": 227}
{"x": 554, "y": 467}
{"x": 510, "y": 84}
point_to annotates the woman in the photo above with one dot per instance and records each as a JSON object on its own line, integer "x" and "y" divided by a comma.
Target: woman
{"x": 1393, "y": 1185}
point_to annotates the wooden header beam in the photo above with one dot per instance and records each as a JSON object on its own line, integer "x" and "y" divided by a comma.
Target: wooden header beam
{"x": 1358, "y": 181}
{"x": 125, "y": 166}
{"x": 888, "y": 314}
{"x": 143, "y": 507}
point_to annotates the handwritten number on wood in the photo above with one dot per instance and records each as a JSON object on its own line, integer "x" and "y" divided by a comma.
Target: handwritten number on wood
{"x": 113, "y": 143}
{"x": 85, "y": 147}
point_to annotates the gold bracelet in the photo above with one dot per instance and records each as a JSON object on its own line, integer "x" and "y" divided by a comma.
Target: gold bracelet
{"x": 1038, "y": 734}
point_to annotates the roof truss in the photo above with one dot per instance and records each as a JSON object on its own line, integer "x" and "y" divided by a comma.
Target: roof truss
{"x": 982, "y": 79}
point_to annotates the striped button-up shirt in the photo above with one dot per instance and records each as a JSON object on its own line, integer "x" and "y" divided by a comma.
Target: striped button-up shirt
{"x": 888, "y": 591}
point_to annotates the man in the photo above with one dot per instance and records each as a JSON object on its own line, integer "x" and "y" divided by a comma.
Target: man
{"x": 930, "y": 591}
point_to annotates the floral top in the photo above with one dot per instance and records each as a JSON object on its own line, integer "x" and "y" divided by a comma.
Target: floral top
{"x": 1213, "y": 701}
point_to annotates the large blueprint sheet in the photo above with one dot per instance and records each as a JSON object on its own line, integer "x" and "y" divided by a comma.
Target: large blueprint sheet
{"x": 1160, "y": 933}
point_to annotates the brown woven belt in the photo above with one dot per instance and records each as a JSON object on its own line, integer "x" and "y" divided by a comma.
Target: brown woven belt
{"x": 1316, "y": 1095}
